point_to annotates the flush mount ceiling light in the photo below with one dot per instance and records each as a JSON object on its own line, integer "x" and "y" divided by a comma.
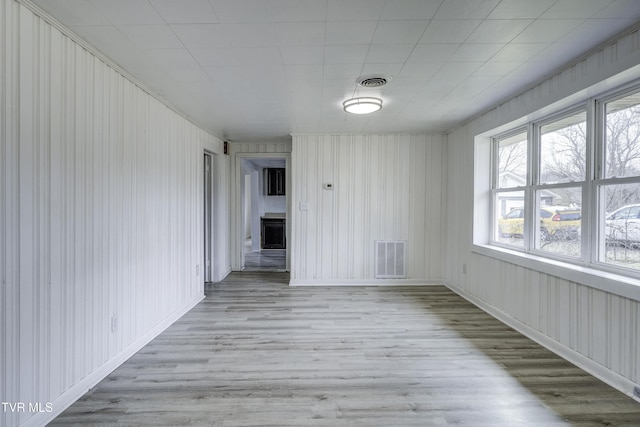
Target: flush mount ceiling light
{"x": 364, "y": 105}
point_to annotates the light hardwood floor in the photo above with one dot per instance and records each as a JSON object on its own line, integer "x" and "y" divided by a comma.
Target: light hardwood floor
{"x": 256, "y": 352}
{"x": 264, "y": 260}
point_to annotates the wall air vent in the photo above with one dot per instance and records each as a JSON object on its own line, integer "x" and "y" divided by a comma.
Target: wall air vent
{"x": 390, "y": 259}
{"x": 373, "y": 81}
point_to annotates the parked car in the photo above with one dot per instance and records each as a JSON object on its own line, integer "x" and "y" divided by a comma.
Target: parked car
{"x": 556, "y": 223}
{"x": 623, "y": 225}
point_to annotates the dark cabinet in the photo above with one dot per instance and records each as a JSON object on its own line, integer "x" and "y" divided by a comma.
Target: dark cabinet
{"x": 275, "y": 181}
{"x": 273, "y": 233}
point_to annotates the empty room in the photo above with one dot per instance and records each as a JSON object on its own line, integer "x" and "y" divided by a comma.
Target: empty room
{"x": 320, "y": 212}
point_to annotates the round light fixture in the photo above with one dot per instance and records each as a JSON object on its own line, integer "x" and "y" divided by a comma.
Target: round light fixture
{"x": 362, "y": 105}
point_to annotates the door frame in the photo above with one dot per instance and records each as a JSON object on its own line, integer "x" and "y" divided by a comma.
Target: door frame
{"x": 208, "y": 216}
{"x": 237, "y": 218}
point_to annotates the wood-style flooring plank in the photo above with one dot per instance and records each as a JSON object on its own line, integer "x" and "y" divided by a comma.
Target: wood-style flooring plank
{"x": 257, "y": 352}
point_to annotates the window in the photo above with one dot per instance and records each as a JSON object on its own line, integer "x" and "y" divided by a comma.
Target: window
{"x": 510, "y": 181}
{"x": 567, "y": 187}
{"x": 561, "y": 165}
{"x": 619, "y": 188}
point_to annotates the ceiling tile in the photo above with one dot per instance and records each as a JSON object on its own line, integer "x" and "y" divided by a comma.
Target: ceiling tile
{"x": 251, "y": 35}
{"x": 399, "y": 32}
{"x": 423, "y": 70}
{"x": 353, "y": 32}
{"x": 573, "y": 9}
{"x": 342, "y": 70}
{"x": 381, "y": 54}
{"x": 432, "y": 53}
{"x": 497, "y": 68}
{"x": 151, "y": 36}
{"x": 185, "y": 11}
{"x": 620, "y": 9}
{"x": 259, "y": 56}
{"x": 298, "y": 10}
{"x": 216, "y": 57}
{"x": 305, "y": 74}
{"x": 449, "y": 31}
{"x": 187, "y": 74}
{"x": 410, "y": 9}
{"x": 546, "y": 31}
{"x": 498, "y": 30}
{"x": 520, "y": 9}
{"x": 201, "y": 36}
{"x": 475, "y": 52}
{"x": 227, "y": 78}
{"x": 171, "y": 57}
{"x": 516, "y": 52}
{"x": 453, "y": 73}
{"x": 104, "y": 37}
{"x": 125, "y": 12}
{"x": 354, "y": 10}
{"x": 302, "y": 55}
{"x": 466, "y": 9}
{"x": 234, "y": 11}
{"x": 474, "y": 85}
{"x": 300, "y": 33}
{"x": 387, "y": 69}
{"x": 74, "y": 12}
{"x": 348, "y": 54}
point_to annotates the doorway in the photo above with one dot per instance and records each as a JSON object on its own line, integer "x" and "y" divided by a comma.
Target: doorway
{"x": 208, "y": 218}
{"x": 263, "y": 209}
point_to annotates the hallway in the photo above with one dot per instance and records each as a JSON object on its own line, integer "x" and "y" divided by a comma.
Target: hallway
{"x": 264, "y": 260}
{"x": 257, "y": 352}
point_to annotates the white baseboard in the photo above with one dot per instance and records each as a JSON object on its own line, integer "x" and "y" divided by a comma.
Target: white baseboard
{"x": 599, "y": 371}
{"x": 366, "y": 282}
{"x": 78, "y": 390}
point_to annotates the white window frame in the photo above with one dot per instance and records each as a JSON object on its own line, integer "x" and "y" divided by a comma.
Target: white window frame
{"x": 588, "y": 268}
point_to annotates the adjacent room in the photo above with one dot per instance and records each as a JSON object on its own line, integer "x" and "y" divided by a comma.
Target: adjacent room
{"x": 320, "y": 212}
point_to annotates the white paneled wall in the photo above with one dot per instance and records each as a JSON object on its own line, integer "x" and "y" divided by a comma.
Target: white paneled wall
{"x": 597, "y": 330}
{"x": 100, "y": 216}
{"x": 385, "y": 187}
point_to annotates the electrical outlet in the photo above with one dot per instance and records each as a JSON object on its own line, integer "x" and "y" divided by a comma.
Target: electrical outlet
{"x": 197, "y": 269}
{"x": 114, "y": 323}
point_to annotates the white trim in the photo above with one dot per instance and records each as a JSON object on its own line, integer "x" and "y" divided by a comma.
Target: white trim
{"x": 79, "y": 389}
{"x": 237, "y": 254}
{"x": 366, "y": 282}
{"x": 604, "y": 374}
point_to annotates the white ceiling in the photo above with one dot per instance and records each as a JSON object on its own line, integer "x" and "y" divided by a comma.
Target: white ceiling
{"x": 259, "y": 70}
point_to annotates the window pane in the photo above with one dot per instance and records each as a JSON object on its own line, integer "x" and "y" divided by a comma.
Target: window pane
{"x": 623, "y": 137}
{"x": 560, "y": 218}
{"x": 512, "y": 161}
{"x": 621, "y": 225}
{"x": 563, "y": 145}
{"x": 508, "y": 221}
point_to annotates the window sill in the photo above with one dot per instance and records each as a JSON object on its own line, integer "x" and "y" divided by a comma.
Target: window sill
{"x": 605, "y": 281}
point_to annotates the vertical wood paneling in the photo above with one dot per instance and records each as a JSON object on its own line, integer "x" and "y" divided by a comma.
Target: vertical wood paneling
{"x": 9, "y": 212}
{"x": 587, "y": 323}
{"x": 100, "y": 215}
{"x": 386, "y": 187}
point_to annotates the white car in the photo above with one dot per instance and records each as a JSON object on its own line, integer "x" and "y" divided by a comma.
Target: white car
{"x": 623, "y": 225}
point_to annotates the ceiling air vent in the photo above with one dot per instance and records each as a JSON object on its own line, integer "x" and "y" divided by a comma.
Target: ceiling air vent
{"x": 373, "y": 81}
